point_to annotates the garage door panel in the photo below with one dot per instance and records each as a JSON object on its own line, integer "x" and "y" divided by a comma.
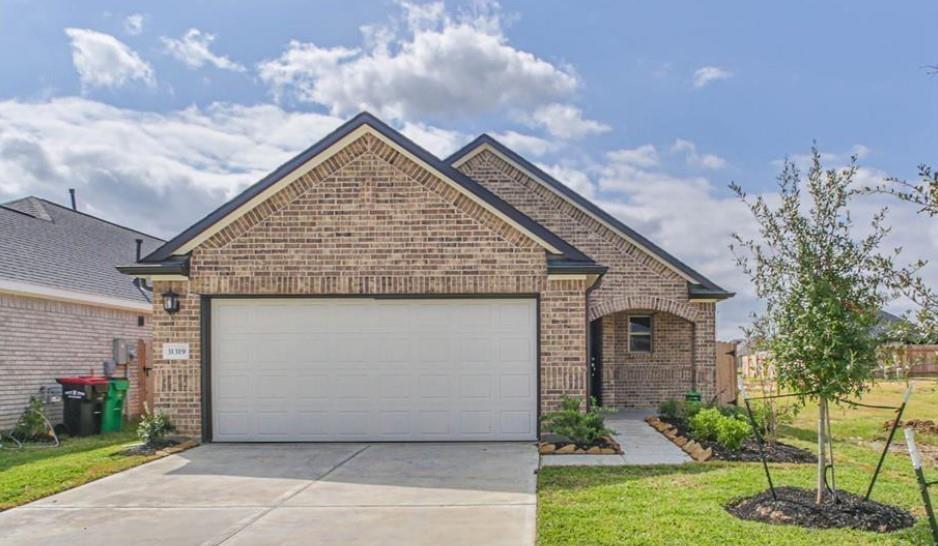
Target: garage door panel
{"x": 360, "y": 370}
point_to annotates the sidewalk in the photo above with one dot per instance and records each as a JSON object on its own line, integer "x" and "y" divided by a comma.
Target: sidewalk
{"x": 642, "y": 444}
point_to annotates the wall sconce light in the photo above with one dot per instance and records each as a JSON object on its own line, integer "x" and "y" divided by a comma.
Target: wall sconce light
{"x": 171, "y": 302}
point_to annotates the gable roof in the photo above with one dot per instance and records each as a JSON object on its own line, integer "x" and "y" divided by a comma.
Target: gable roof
{"x": 44, "y": 244}
{"x": 698, "y": 285}
{"x": 563, "y": 256}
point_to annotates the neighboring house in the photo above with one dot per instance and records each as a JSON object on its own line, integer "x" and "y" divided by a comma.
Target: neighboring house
{"x": 61, "y": 301}
{"x": 367, "y": 290}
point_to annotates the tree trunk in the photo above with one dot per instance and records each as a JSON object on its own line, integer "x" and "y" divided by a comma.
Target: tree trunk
{"x": 821, "y": 448}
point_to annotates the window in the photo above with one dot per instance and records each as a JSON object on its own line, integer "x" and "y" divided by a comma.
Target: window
{"x": 640, "y": 334}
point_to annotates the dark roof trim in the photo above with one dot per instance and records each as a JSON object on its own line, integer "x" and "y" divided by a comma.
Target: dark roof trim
{"x": 697, "y": 291}
{"x": 364, "y": 118}
{"x": 177, "y": 265}
{"x": 585, "y": 203}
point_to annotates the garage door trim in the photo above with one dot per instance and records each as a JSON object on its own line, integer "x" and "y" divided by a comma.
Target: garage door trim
{"x": 205, "y": 336}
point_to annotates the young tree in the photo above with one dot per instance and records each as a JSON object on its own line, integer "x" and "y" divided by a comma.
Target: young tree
{"x": 924, "y": 194}
{"x": 821, "y": 284}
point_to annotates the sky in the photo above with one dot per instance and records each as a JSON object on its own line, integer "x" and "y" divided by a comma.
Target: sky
{"x": 157, "y": 112}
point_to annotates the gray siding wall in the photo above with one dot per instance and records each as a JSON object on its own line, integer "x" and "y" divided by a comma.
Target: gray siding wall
{"x": 44, "y": 339}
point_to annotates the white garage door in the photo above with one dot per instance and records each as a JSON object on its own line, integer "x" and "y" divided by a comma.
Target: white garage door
{"x": 373, "y": 370}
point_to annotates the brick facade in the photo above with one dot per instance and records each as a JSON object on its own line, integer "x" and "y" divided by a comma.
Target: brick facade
{"x": 42, "y": 339}
{"x": 635, "y": 281}
{"x": 369, "y": 221}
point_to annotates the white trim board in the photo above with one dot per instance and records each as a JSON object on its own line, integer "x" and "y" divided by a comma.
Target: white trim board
{"x": 17, "y": 288}
{"x": 486, "y": 146}
{"x": 324, "y": 156}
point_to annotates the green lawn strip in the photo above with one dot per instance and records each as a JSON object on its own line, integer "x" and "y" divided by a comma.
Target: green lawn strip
{"x": 685, "y": 504}
{"x": 30, "y": 474}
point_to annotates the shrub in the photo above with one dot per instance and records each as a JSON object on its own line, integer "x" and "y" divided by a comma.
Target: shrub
{"x": 712, "y": 425}
{"x": 732, "y": 432}
{"x": 690, "y": 409}
{"x": 31, "y": 424}
{"x": 582, "y": 428}
{"x": 733, "y": 411}
{"x": 705, "y": 423}
{"x": 153, "y": 428}
{"x": 670, "y": 409}
{"x": 679, "y": 409}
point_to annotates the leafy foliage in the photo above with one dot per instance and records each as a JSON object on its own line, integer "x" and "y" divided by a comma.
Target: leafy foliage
{"x": 31, "y": 425}
{"x": 679, "y": 409}
{"x": 153, "y": 428}
{"x": 582, "y": 428}
{"x": 821, "y": 286}
{"x": 714, "y": 425}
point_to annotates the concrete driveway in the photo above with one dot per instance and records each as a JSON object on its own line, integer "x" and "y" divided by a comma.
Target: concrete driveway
{"x": 322, "y": 494}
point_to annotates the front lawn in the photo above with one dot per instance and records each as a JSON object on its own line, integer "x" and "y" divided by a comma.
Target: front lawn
{"x": 30, "y": 474}
{"x": 684, "y": 504}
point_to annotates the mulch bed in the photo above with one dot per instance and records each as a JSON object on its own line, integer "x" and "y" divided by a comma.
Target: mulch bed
{"x": 924, "y": 426}
{"x": 553, "y": 445}
{"x": 166, "y": 446}
{"x": 749, "y": 452}
{"x": 796, "y": 506}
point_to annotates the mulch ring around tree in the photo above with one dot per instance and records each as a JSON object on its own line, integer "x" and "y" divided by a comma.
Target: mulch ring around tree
{"x": 679, "y": 433}
{"x": 796, "y": 506}
{"x": 555, "y": 445}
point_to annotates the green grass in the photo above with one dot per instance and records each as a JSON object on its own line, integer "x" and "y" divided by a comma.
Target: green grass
{"x": 665, "y": 505}
{"x": 30, "y": 474}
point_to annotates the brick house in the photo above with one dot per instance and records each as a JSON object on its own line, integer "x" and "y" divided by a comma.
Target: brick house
{"x": 367, "y": 290}
{"x": 62, "y": 303}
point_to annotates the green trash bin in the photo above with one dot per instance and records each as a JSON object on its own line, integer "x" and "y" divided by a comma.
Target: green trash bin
{"x": 112, "y": 416}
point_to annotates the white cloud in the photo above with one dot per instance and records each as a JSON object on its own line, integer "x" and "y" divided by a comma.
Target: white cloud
{"x": 565, "y": 121}
{"x": 692, "y": 217}
{"x": 104, "y": 61}
{"x": 695, "y": 158}
{"x": 439, "y": 142}
{"x": 194, "y": 50}
{"x": 706, "y": 75}
{"x": 430, "y": 63}
{"x": 133, "y": 24}
{"x": 132, "y": 167}
{"x": 573, "y": 177}
{"x": 525, "y": 144}
{"x": 642, "y": 156}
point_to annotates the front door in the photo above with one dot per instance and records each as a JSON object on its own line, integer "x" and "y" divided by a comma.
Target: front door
{"x": 596, "y": 361}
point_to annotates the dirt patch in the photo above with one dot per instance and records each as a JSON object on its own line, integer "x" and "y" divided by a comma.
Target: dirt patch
{"x": 680, "y": 435}
{"x": 924, "y": 426}
{"x": 796, "y": 506}
{"x": 559, "y": 446}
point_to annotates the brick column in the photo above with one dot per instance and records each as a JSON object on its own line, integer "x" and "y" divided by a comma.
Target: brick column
{"x": 564, "y": 352}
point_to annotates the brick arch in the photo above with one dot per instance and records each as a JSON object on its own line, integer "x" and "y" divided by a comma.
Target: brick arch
{"x": 651, "y": 303}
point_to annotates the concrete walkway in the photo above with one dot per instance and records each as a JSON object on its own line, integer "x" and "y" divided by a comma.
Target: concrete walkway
{"x": 324, "y": 494}
{"x": 642, "y": 445}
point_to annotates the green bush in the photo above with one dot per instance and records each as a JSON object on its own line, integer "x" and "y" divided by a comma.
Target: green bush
{"x": 705, "y": 423}
{"x": 153, "y": 428}
{"x": 712, "y": 425}
{"x": 582, "y": 428}
{"x": 31, "y": 424}
{"x": 670, "y": 409}
{"x": 732, "y": 432}
{"x": 679, "y": 409}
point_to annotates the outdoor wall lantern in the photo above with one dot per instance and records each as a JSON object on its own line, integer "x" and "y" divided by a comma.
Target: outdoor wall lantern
{"x": 170, "y": 302}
